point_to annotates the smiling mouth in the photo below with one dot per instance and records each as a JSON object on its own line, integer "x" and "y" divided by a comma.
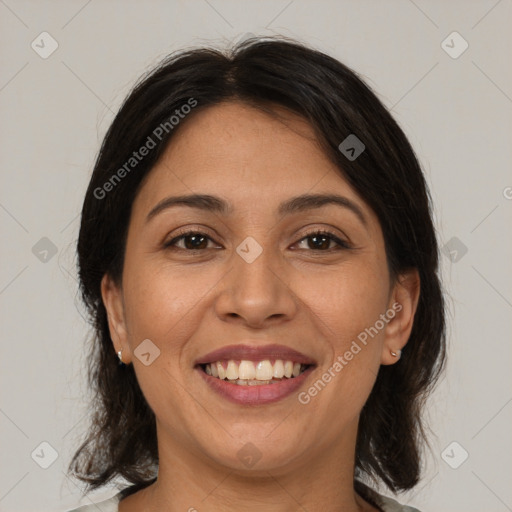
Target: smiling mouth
{"x": 254, "y": 373}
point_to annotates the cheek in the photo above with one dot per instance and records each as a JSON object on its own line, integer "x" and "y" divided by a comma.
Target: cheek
{"x": 159, "y": 299}
{"x": 346, "y": 300}
{"x": 346, "y": 306}
{"x": 163, "y": 305}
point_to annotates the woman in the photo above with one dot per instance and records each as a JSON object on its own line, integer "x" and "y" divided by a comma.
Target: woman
{"x": 259, "y": 261}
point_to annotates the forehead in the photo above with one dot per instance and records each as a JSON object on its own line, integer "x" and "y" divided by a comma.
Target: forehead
{"x": 246, "y": 155}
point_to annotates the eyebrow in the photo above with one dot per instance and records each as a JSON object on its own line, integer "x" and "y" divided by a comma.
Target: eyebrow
{"x": 296, "y": 204}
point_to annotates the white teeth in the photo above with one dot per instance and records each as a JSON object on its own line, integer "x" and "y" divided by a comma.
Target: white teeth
{"x": 264, "y": 370}
{"x": 220, "y": 369}
{"x": 278, "y": 369}
{"x": 251, "y": 374}
{"x": 246, "y": 370}
{"x": 232, "y": 371}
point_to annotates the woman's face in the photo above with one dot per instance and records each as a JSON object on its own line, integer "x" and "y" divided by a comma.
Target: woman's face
{"x": 258, "y": 277}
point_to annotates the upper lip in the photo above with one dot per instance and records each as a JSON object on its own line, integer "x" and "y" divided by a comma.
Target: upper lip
{"x": 255, "y": 353}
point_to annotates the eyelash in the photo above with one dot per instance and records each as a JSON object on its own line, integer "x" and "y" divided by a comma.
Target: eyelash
{"x": 341, "y": 244}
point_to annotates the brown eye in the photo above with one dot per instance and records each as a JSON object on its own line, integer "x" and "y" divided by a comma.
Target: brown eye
{"x": 321, "y": 241}
{"x": 192, "y": 240}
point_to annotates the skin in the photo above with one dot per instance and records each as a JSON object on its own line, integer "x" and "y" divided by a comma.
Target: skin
{"x": 314, "y": 300}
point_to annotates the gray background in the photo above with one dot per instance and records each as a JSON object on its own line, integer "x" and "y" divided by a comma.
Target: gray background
{"x": 55, "y": 111}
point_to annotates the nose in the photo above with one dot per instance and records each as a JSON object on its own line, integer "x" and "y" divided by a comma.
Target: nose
{"x": 255, "y": 293}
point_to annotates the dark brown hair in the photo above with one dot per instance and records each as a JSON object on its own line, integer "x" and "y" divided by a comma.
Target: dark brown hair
{"x": 336, "y": 102}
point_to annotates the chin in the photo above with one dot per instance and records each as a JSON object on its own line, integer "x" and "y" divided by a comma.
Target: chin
{"x": 255, "y": 454}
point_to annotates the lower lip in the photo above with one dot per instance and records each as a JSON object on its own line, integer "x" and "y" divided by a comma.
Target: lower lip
{"x": 255, "y": 395}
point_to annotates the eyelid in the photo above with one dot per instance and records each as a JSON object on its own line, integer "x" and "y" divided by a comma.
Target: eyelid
{"x": 326, "y": 229}
{"x": 189, "y": 230}
{"x": 339, "y": 241}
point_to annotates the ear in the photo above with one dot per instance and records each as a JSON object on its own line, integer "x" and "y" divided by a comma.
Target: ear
{"x": 403, "y": 303}
{"x": 112, "y": 297}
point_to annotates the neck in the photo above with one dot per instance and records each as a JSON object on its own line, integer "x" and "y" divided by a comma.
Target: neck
{"x": 193, "y": 482}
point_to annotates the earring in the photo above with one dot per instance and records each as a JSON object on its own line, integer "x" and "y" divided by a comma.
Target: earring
{"x": 120, "y": 356}
{"x": 395, "y": 354}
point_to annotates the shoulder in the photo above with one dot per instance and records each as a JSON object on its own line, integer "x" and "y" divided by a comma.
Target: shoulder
{"x": 391, "y": 505}
{"x": 384, "y": 503}
{"x": 110, "y": 505}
